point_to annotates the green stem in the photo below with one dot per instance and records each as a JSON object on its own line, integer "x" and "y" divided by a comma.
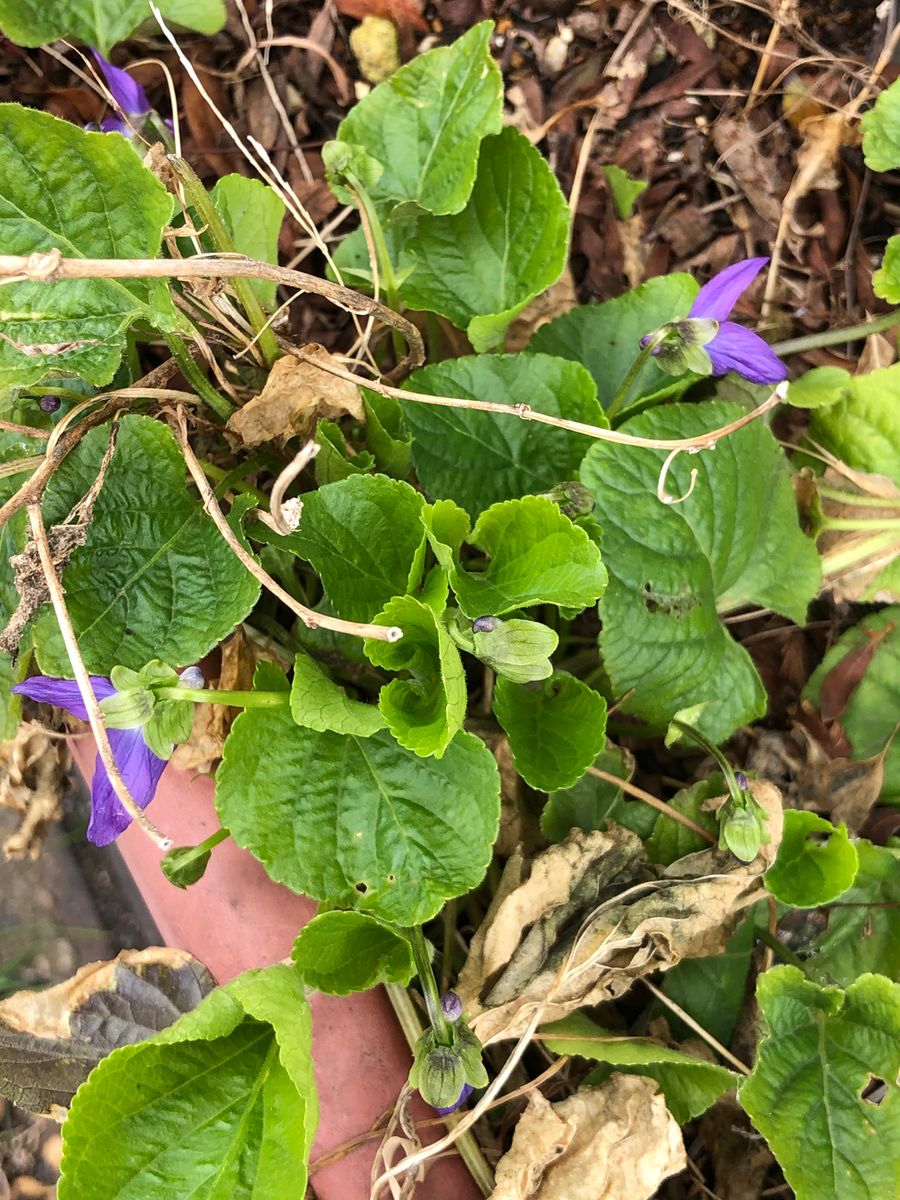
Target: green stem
{"x": 234, "y": 699}
{"x": 875, "y": 524}
{"x": 714, "y": 752}
{"x": 199, "y": 199}
{"x": 848, "y": 556}
{"x": 634, "y": 370}
{"x": 427, "y": 982}
{"x": 834, "y": 337}
{"x": 195, "y": 377}
{"x": 385, "y": 266}
{"x": 854, "y": 498}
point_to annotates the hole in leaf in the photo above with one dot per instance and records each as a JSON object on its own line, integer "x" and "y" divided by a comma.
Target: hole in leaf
{"x": 874, "y": 1091}
{"x": 392, "y": 878}
{"x": 362, "y": 888}
{"x": 818, "y": 837}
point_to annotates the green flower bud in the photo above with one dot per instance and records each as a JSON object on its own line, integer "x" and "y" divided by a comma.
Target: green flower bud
{"x": 573, "y": 498}
{"x": 740, "y": 833}
{"x": 518, "y": 650}
{"x": 169, "y": 725}
{"x": 128, "y": 709}
{"x": 437, "y": 1072}
{"x": 184, "y": 865}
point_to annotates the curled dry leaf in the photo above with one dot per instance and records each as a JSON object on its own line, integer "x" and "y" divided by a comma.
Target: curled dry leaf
{"x": 845, "y": 789}
{"x": 615, "y": 1142}
{"x": 51, "y": 1040}
{"x": 33, "y": 767}
{"x": 578, "y": 923}
{"x": 296, "y": 394}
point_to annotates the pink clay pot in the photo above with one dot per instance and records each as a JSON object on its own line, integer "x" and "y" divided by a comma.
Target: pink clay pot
{"x": 236, "y": 918}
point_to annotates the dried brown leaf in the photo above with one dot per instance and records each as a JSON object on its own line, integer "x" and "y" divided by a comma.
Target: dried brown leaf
{"x": 556, "y": 300}
{"x": 578, "y": 923}
{"x": 758, "y": 173}
{"x": 845, "y": 789}
{"x": 296, "y": 394}
{"x": 401, "y": 12}
{"x": 33, "y": 767}
{"x": 615, "y": 1142}
{"x": 50, "y": 1040}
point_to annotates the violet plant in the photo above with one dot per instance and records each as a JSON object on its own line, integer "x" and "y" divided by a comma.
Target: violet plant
{"x": 474, "y": 568}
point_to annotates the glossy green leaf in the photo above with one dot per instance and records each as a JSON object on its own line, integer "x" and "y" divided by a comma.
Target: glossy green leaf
{"x": 819, "y": 387}
{"x": 863, "y": 426}
{"x": 425, "y": 708}
{"x": 592, "y": 803}
{"x": 220, "y": 1105}
{"x": 481, "y": 267}
{"x": 155, "y": 578}
{"x": 89, "y": 195}
{"x": 674, "y": 568}
{"x": 334, "y": 461}
{"x": 359, "y": 822}
{"x": 670, "y": 839}
{"x": 100, "y": 23}
{"x": 317, "y": 702}
{"x": 252, "y": 212}
{"x": 536, "y": 556}
{"x": 344, "y": 952}
{"x": 364, "y": 538}
{"x": 386, "y": 434}
{"x": 480, "y": 458}
{"x": 873, "y": 711}
{"x": 556, "y": 728}
{"x": 886, "y": 280}
{"x": 881, "y": 131}
{"x": 816, "y": 862}
{"x": 863, "y": 931}
{"x": 822, "y": 1048}
{"x": 625, "y": 190}
{"x": 690, "y": 1085}
{"x": 424, "y": 125}
{"x": 606, "y": 337}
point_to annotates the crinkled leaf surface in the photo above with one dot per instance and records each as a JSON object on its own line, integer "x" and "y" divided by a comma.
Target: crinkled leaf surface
{"x": 154, "y": 579}
{"x": 816, "y": 862}
{"x": 480, "y": 458}
{"x": 100, "y": 23}
{"x": 689, "y": 1084}
{"x": 344, "y": 952}
{"x": 319, "y": 703}
{"x": 363, "y": 536}
{"x": 606, "y": 337}
{"x": 425, "y": 708}
{"x": 536, "y": 556}
{"x": 359, "y": 822}
{"x": 873, "y": 710}
{"x": 481, "y": 267}
{"x": 822, "y": 1048}
{"x": 424, "y": 124}
{"x": 556, "y": 728}
{"x": 252, "y": 212}
{"x": 863, "y": 427}
{"x": 881, "y": 131}
{"x": 886, "y": 280}
{"x": 221, "y": 1105}
{"x": 591, "y": 803}
{"x": 863, "y": 931}
{"x": 673, "y": 568}
{"x": 89, "y": 195}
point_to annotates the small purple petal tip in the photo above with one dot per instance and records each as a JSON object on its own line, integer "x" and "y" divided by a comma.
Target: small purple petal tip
{"x": 461, "y": 1099}
{"x": 451, "y": 1006}
{"x": 127, "y": 92}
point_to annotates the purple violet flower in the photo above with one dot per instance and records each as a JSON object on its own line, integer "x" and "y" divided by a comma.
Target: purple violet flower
{"x": 460, "y": 1101}
{"x": 727, "y": 345}
{"x": 141, "y": 768}
{"x": 129, "y": 96}
{"x": 735, "y": 348}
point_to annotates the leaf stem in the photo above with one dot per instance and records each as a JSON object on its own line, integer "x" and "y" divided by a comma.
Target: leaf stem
{"x": 634, "y": 370}
{"x": 199, "y": 198}
{"x": 238, "y": 699}
{"x": 430, "y": 992}
{"x": 781, "y": 950}
{"x": 874, "y": 524}
{"x": 855, "y": 498}
{"x": 195, "y": 377}
{"x": 834, "y": 337}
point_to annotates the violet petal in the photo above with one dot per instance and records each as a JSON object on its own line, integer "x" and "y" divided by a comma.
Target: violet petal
{"x": 735, "y": 348}
{"x": 717, "y": 298}
{"x": 141, "y": 770}
{"x": 64, "y": 693}
{"x": 127, "y": 92}
{"x": 461, "y": 1099}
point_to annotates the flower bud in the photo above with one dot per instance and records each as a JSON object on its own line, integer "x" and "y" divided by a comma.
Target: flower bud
{"x": 49, "y": 404}
{"x": 130, "y": 709}
{"x": 191, "y": 677}
{"x": 485, "y": 624}
{"x": 573, "y": 498}
{"x": 451, "y": 1006}
{"x": 518, "y": 650}
{"x": 184, "y": 865}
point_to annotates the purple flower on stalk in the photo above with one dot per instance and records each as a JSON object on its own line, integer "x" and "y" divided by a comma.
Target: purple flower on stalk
{"x": 130, "y": 98}
{"x": 460, "y": 1101}
{"x": 141, "y": 768}
{"x": 707, "y": 336}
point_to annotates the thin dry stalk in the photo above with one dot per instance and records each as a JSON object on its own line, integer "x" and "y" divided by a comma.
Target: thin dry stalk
{"x": 91, "y": 704}
{"x": 697, "y": 1027}
{"x": 312, "y": 620}
{"x": 659, "y": 805}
